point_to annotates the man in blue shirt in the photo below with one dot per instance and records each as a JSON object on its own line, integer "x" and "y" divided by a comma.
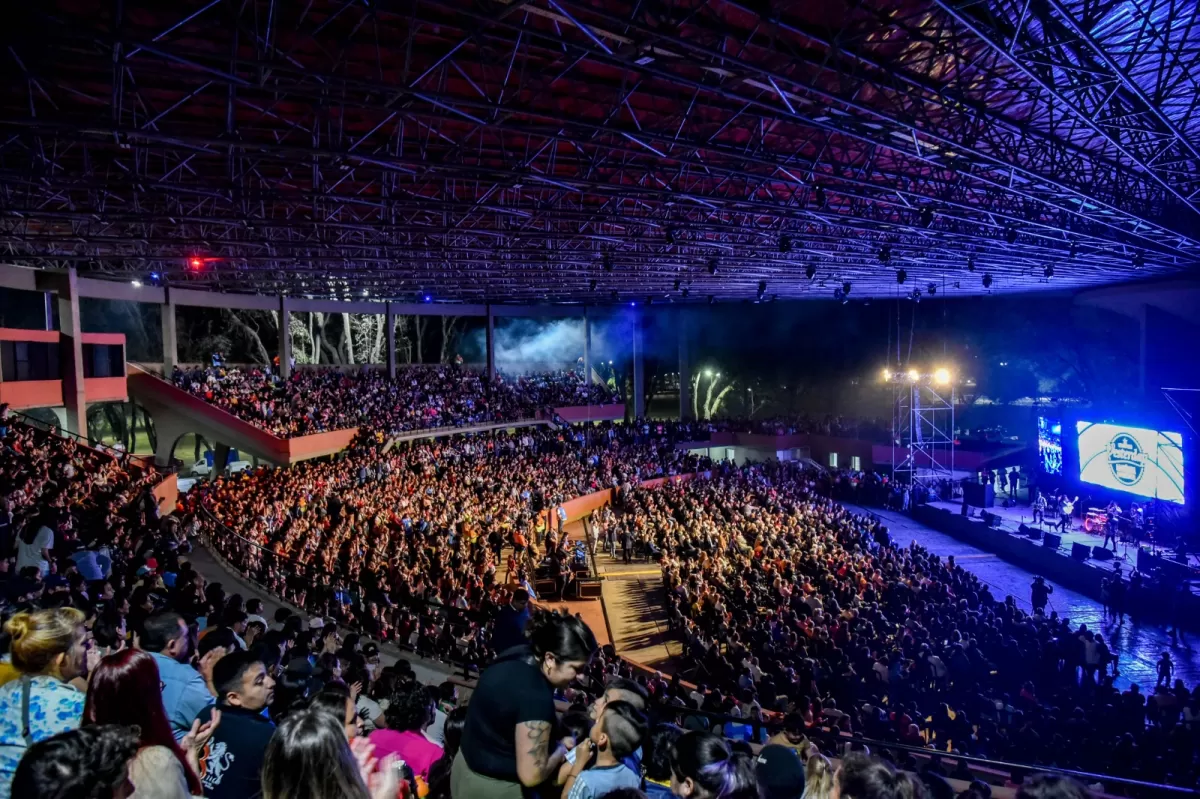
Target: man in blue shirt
{"x": 509, "y": 628}
{"x": 186, "y": 691}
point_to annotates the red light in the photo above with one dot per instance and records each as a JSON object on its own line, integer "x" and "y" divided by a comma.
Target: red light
{"x": 195, "y": 263}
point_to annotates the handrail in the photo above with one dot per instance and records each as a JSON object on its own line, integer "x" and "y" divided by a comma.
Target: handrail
{"x": 99, "y": 446}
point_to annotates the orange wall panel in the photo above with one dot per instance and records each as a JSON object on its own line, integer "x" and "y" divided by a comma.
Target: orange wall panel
{"x": 105, "y": 389}
{"x": 32, "y": 394}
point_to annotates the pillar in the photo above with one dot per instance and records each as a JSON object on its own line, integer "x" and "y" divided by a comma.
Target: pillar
{"x": 491, "y": 344}
{"x": 587, "y": 348}
{"x": 639, "y": 370}
{"x": 685, "y": 367}
{"x": 170, "y": 340}
{"x": 70, "y": 356}
{"x": 220, "y": 458}
{"x": 285, "y": 337}
{"x": 389, "y": 322}
{"x": 48, "y": 305}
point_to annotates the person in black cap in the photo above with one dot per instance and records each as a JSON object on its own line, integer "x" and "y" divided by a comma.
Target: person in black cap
{"x": 780, "y": 772}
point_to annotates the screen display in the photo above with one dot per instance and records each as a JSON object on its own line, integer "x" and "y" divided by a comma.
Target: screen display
{"x": 1148, "y": 463}
{"x": 1050, "y": 444}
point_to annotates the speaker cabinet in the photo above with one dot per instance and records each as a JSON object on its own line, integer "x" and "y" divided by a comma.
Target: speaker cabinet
{"x": 1052, "y": 540}
{"x": 979, "y": 496}
{"x": 1101, "y": 553}
{"x": 1080, "y": 551}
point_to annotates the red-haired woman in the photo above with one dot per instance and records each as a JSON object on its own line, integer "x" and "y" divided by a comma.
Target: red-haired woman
{"x": 125, "y": 689}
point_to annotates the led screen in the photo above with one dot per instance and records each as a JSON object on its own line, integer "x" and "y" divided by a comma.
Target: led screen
{"x": 1148, "y": 463}
{"x": 1050, "y": 444}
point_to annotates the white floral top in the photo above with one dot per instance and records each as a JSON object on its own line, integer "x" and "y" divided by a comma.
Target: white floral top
{"x": 54, "y": 707}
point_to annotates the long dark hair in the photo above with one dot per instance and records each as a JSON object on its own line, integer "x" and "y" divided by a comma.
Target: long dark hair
{"x": 863, "y": 777}
{"x": 126, "y": 689}
{"x": 309, "y": 757}
{"x": 560, "y": 634}
{"x": 439, "y": 772}
{"x": 715, "y": 770}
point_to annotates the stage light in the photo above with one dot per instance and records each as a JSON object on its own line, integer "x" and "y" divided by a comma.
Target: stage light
{"x": 926, "y": 216}
{"x": 195, "y": 263}
{"x": 137, "y": 284}
{"x": 1010, "y": 235}
{"x": 885, "y": 253}
{"x": 822, "y": 201}
{"x": 901, "y": 276}
{"x": 712, "y": 266}
{"x": 887, "y": 374}
{"x": 942, "y": 376}
{"x": 592, "y": 284}
{"x": 671, "y": 236}
{"x": 971, "y": 264}
{"x": 931, "y": 289}
{"x": 428, "y": 298}
{"x": 810, "y": 271}
{"x": 846, "y": 288}
{"x": 1048, "y": 271}
{"x": 916, "y": 295}
{"x": 675, "y": 285}
{"x": 913, "y": 376}
{"x": 1139, "y": 259}
{"x": 785, "y": 244}
{"x": 708, "y": 372}
{"x": 1074, "y": 248}
{"x": 987, "y": 280}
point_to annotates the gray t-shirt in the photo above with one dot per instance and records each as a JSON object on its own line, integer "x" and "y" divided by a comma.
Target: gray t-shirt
{"x": 596, "y": 782}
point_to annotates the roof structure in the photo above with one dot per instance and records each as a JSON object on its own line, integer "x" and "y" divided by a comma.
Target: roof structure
{"x": 602, "y": 150}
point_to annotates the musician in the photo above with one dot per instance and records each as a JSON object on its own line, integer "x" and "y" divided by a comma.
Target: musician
{"x": 1113, "y": 511}
{"x": 1039, "y": 509}
{"x": 1066, "y": 508}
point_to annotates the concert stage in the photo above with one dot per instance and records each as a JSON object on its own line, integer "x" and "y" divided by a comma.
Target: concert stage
{"x": 1072, "y": 562}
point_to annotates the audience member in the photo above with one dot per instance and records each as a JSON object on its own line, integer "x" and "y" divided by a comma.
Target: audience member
{"x": 232, "y": 761}
{"x": 89, "y": 763}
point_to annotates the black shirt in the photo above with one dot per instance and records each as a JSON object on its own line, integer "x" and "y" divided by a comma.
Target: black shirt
{"x": 232, "y": 759}
{"x": 511, "y": 691}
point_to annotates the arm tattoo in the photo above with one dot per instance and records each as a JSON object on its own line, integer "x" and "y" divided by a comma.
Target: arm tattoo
{"x": 537, "y": 734}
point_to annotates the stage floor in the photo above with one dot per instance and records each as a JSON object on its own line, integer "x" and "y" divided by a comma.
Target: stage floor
{"x": 1138, "y": 644}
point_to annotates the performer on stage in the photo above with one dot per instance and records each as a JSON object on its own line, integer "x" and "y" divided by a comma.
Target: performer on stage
{"x": 1065, "y": 509}
{"x": 1110, "y": 525}
{"x": 1039, "y": 509}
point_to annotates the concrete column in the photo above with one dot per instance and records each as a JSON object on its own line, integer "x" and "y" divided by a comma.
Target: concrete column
{"x": 639, "y": 370}
{"x": 685, "y": 366}
{"x": 491, "y": 344}
{"x": 285, "y": 337}
{"x": 587, "y": 348}
{"x": 70, "y": 354}
{"x": 220, "y": 456}
{"x": 389, "y": 322}
{"x": 48, "y": 303}
{"x": 170, "y": 339}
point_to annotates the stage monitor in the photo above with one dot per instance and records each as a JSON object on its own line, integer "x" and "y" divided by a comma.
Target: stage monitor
{"x": 1148, "y": 463}
{"x": 1050, "y": 444}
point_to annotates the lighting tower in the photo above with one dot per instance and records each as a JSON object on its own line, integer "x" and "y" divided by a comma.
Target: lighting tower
{"x": 922, "y": 426}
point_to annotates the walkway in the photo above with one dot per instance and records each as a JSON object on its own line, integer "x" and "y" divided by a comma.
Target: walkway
{"x": 637, "y": 615}
{"x": 1138, "y": 645}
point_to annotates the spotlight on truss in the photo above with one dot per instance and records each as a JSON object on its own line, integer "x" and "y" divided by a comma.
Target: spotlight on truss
{"x": 1010, "y": 235}
{"x": 931, "y": 289}
{"x": 819, "y": 194}
{"x": 675, "y": 285}
{"x": 987, "y": 280}
{"x": 970, "y": 263}
{"x": 1139, "y": 259}
{"x": 712, "y": 266}
{"x": 885, "y": 253}
{"x": 785, "y": 244}
{"x": 810, "y": 271}
{"x": 1074, "y": 248}
{"x": 671, "y": 236}
{"x": 846, "y": 287}
{"x": 901, "y": 276}
{"x": 927, "y": 216}
{"x": 916, "y": 295}
{"x": 1048, "y": 271}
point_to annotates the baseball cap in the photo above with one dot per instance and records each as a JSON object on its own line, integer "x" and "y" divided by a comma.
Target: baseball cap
{"x": 780, "y": 772}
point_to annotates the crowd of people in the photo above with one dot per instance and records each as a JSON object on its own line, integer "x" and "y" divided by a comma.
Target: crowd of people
{"x": 420, "y": 397}
{"x": 126, "y": 673}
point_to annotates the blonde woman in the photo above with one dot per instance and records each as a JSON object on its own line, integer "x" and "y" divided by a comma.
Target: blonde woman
{"x": 49, "y": 649}
{"x": 818, "y": 778}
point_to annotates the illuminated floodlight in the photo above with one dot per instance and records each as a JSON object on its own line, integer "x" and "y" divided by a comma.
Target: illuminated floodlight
{"x": 195, "y": 263}
{"x": 887, "y": 374}
{"x": 913, "y": 375}
{"x": 942, "y": 376}
{"x": 137, "y": 284}
{"x": 708, "y": 372}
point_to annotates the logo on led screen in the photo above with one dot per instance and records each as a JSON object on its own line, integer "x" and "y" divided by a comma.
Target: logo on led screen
{"x": 1126, "y": 460}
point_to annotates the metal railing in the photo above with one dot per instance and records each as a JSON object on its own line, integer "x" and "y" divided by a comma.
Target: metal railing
{"x": 55, "y": 429}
